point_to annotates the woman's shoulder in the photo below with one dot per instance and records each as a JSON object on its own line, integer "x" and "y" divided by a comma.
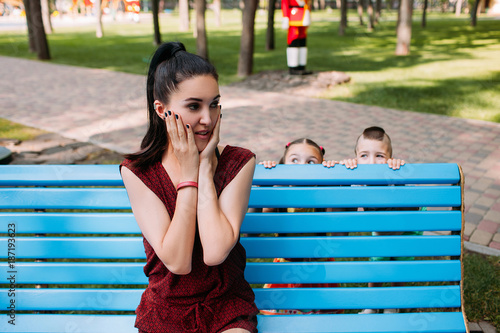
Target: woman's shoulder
{"x": 138, "y": 170}
{"x": 234, "y": 151}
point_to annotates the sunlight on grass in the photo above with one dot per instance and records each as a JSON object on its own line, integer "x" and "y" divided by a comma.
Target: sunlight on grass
{"x": 453, "y": 69}
{"x": 16, "y": 131}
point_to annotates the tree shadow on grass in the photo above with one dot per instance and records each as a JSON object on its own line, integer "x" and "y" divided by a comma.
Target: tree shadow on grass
{"x": 361, "y": 51}
{"x": 469, "y": 95}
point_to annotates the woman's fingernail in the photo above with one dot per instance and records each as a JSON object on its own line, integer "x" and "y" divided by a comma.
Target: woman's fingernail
{"x": 176, "y": 116}
{"x": 221, "y": 115}
{"x": 169, "y": 112}
{"x": 165, "y": 114}
{"x": 187, "y": 126}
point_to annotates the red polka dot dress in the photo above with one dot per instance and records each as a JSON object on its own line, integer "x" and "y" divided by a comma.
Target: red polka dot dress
{"x": 210, "y": 298}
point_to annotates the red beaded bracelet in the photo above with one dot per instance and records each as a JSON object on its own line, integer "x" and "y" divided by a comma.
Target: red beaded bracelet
{"x": 186, "y": 184}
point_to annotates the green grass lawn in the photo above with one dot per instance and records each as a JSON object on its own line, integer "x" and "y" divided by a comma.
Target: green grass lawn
{"x": 17, "y": 131}
{"x": 482, "y": 288}
{"x": 453, "y": 69}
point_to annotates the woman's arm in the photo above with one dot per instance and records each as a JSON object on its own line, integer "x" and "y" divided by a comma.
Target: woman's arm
{"x": 219, "y": 219}
{"x": 172, "y": 240}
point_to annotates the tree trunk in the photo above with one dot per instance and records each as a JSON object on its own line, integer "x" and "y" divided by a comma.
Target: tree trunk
{"x": 458, "y": 8}
{"x": 155, "y": 8}
{"x": 29, "y": 23}
{"x": 183, "y": 15}
{"x": 481, "y": 8}
{"x": 378, "y": 10}
{"x": 201, "y": 32}
{"x": 360, "y": 12}
{"x": 473, "y": 13}
{"x": 343, "y": 17}
{"x": 41, "y": 45}
{"x": 46, "y": 16}
{"x": 404, "y": 27}
{"x": 217, "y": 12}
{"x": 424, "y": 14}
{"x": 270, "y": 25}
{"x": 98, "y": 9}
{"x": 369, "y": 11}
{"x": 245, "y": 62}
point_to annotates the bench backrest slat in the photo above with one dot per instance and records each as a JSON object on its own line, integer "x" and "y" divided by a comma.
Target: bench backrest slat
{"x": 96, "y": 299}
{"x": 352, "y": 221}
{"x": 71, "y": 223}
{"x": 124, "y": 223}
{"x": 60, "y": 175}
{"x": 108, "y": 175}
{"x": 64, "y": 198}
{"x": 131, "y": 273}
{"x": 353, "y": 197}
{"x": 306, "y": 197}
{"x": 435, "y": 173}
{"x": 450, "y": 322}
{"x": 111, "y": 273}
{"x": 262, "y": 247}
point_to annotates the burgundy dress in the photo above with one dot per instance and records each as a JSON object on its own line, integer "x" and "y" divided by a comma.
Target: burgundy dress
{"x": 210, "y": 298}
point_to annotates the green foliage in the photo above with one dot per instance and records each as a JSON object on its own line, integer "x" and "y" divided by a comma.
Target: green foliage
{"x": 482, "y": 288}
{"x": 453, "y": 69}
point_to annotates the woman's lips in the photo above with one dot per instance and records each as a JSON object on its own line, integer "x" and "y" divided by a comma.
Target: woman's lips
{"x": 204, "y": 135}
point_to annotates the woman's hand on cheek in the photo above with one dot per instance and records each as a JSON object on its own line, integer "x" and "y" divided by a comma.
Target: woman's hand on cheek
{"x": 209, "y": 151}
{"x": 182, "y": 140}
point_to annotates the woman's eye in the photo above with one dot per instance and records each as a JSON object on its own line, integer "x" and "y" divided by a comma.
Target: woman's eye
{"x": 193, "y": 107}
{"x": 295, "y": 160}
{"x": 214, "y": 105}
{"x": 311, "y": 162}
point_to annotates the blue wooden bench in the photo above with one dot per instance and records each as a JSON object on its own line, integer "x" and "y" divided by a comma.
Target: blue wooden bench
{"x": 71, "y": 253}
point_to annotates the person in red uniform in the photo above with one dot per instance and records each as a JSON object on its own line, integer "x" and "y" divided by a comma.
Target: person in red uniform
{"x": 296, "y": 18}
{"x": 189, "y": 195}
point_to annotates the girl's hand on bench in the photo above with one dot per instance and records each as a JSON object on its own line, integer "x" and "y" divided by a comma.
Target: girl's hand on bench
{"x": 268, "y": 164}
{"x": 329, "y": 164}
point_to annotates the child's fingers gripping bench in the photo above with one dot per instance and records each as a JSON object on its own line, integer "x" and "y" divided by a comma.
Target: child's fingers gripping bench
{"x": 73, "y": 254}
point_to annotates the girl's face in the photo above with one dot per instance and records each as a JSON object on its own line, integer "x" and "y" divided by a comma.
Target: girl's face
{"x": 372, "y": 151}
{"x": 302, "y": 153}
{"x": 196, "y": 101}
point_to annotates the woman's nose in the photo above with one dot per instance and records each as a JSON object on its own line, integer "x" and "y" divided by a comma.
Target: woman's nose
{"x": 205, "y": 117}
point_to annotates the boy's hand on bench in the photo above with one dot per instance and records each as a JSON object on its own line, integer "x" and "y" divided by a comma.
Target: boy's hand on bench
{"x": 395, "y": 163}
{"x": 350, "y": 163}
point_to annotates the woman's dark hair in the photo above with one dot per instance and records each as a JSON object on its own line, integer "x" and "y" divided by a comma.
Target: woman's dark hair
{"x": 301, "y": 141}
{"x": 170, "y": 65}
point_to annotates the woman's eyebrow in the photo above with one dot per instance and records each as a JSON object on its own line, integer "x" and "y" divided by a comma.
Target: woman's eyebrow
{"x": 196, "y": 99}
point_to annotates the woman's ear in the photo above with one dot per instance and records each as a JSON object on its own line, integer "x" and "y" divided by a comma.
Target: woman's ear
{"x": 159, "y": 109}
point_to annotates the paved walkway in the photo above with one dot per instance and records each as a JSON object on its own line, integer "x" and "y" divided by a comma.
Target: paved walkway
{"x": 107, "y": 109}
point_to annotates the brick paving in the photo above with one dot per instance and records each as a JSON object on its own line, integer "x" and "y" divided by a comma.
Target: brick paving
{"x": 108, "y": 109}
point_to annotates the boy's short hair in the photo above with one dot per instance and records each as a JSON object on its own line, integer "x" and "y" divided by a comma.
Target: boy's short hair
{"x": 375, "y": 133}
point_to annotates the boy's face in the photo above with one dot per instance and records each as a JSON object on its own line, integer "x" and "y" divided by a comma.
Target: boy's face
{"x": 372, "y": 151}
